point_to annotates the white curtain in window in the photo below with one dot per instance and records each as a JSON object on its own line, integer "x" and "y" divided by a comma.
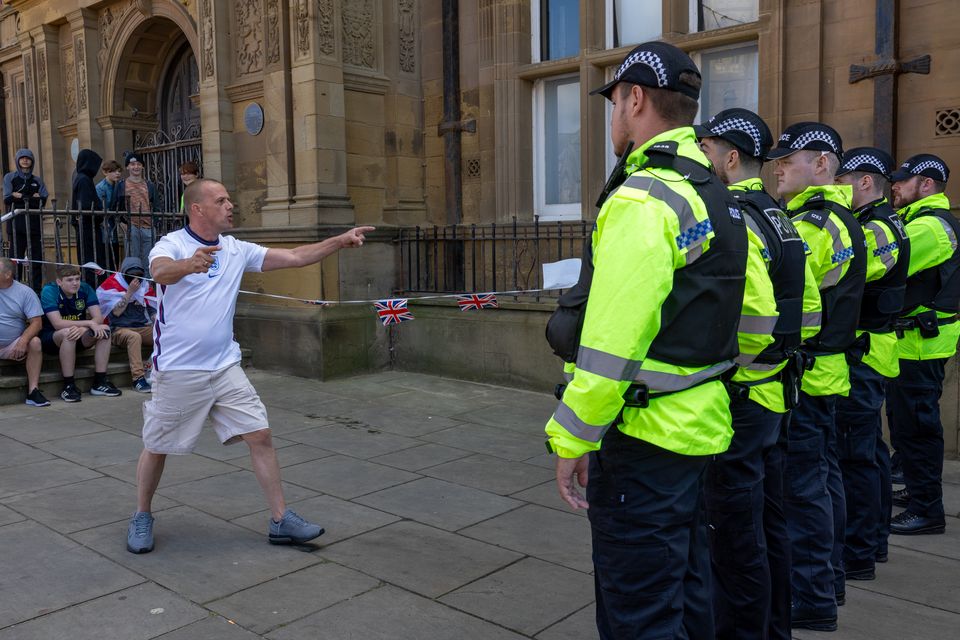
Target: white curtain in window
{"x": 636, "y": 21}
{"x": 727, "y": 13}
{"x": 561, "y": 141}
{"x": 729, "y": 80}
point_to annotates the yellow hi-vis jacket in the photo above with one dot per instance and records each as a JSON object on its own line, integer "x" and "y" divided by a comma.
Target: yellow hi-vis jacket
{"x": 932, "y": 242}
{"x": 770, "y": 394}
{"x": 884, "y": 355}
{"x": 636, "y": 250}
{"x": 830, "y": 374}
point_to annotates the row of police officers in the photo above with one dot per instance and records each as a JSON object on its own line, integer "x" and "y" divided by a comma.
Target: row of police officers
{"x": 727, "y": 357}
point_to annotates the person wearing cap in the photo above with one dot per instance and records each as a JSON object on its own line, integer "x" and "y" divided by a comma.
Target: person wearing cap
{"x": 807, "y": 156}
{"x": 129, "y": 306}
{"x": 928, "y": 331}
{"x": 744, "y": 487}
{"x": 659, "y": 326}
{"x": 139, "y": 196}
{"x": 864, "y": 458}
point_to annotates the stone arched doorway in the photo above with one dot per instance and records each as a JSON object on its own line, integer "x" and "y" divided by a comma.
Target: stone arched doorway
{"x": 156, "y": 94}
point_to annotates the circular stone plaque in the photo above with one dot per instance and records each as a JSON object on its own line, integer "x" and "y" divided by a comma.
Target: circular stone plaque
{"x": 74, "y": 148}
{"x": 253, "y": 118}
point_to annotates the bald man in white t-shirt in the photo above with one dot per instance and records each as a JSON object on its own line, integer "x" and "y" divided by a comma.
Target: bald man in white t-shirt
{"x": 196, "y": 361}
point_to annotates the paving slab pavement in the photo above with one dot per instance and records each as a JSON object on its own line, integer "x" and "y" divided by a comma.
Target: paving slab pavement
{"x": 441, "y": 515}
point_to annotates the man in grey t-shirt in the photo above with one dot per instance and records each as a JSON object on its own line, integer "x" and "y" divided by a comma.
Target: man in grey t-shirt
{"x": 21, "y": 317}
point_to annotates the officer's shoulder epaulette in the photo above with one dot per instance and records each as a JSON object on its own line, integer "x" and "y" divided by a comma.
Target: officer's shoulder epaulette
{"x": 815, "y": 211}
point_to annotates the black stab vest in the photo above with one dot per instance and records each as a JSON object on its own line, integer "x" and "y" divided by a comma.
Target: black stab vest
{"x": 841, "y": 302}
{"x": 787, "y": 269}
{"x": 883, "y": 298}
{"x": 938, "y": 287}
{"x": 699, "y": 318}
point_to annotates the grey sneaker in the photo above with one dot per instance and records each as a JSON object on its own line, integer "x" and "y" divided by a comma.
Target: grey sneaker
{"x": 292, "y": 529}
{"x": 140, "y": 533}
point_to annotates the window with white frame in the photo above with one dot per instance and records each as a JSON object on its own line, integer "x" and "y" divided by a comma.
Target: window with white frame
{"x": 729, "y": 79}
{"x": 555, "y": 29}
{"x": 632, "y": 22}
{"x": 706, "y": 15}
{"x": 556, "y": 148}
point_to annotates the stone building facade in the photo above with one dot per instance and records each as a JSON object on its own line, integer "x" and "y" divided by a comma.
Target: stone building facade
{"x": 321, "y": 113}
{"x": 325, "y": 112}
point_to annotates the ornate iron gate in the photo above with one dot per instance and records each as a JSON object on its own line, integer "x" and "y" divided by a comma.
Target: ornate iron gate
{"x": 162, "y": 154}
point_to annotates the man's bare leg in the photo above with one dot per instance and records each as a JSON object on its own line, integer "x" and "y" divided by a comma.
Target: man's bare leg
{"x": 149, "y": 470}
{"x": 34, "y": 363}
{"x": 267, "y": 469}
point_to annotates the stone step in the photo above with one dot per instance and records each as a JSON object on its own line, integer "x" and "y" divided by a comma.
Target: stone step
{"x": 13, "y": 378}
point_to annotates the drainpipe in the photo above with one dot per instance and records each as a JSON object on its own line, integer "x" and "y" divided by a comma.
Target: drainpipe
{"x": 450, "y": 128}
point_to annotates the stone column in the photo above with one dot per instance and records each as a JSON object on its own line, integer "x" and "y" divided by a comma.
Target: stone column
{"x": 50, "y": 109}
{"x": 28, "y": 56}
{"x": 513, "y": 97}
{"x": 84, "y": 28}
{"x": 277, "y": 114}
{"x": 320, "y": 156}
{"x": 216, "y": 109}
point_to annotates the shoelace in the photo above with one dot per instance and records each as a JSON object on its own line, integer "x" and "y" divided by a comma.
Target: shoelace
{"x": 141, "y": 526}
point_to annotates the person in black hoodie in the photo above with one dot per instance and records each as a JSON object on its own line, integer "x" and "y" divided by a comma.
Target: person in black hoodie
{"x": 84, "y": 198}
{"x": 23, "y": 189}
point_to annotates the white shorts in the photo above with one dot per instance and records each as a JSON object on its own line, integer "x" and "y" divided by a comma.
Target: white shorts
{"x": 182, "y": 400}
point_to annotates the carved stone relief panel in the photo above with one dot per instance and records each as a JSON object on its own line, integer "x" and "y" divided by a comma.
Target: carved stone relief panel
{"x": 69, "y": 74}
{"x": 302, "y": 21}
{"x": 249, "y": 36}
{"x": 109, "y": 21}
{"x": 408, "y": 36}
{"x": 272, "y": 36}
{"x": 28, "y": 86}
{"x": 81, "y": 57}
{"x": 207, "y": 39}
{"x": 42, "y": 96}
{"x": 358, "y": 28}
{"x": 325, "y": 27}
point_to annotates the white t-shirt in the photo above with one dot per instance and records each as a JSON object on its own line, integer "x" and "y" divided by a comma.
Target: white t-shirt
{"x": 193, "y": 329}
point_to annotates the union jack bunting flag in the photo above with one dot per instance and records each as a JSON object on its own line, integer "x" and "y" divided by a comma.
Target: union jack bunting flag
{"x": 474, "y": 302}
{"x": 393, "y": 311}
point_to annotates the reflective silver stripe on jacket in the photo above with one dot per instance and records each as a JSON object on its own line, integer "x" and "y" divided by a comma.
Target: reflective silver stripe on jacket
{"x": 763, "y": 367}
{"x": 745, "y": 359}
{"x": 569, "y": 420}
{"x": 885, "y": 248}
{"x": 759, "y": 325}
{"x": 840, "y": 255}
{"x": 658, "y": 381}
{"x": 950, "y": 233}
{"x": 812, "y": 319}
{"x": 693, "y": 232}
{"x": 606, "y": 364}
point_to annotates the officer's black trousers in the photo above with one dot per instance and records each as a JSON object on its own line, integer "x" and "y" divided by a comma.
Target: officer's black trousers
{"x": 777, "y": 535}
{"x": 859, "y": 432}
{"x": 814, "y": 508}
{"x": 650, "y": 554}
{"x": 735, "y": 505}
{"x": 915, "y": 400}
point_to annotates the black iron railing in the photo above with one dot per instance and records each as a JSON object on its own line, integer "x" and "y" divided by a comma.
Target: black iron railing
{"x": 485, "y": 258}
{"x": 40, "y": 238}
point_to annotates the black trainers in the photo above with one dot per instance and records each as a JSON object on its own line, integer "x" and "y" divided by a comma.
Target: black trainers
{"x": 37, "y": 399}
{"x": 70, "y": 393}
{"x": 105, "y": 389}
{"x": 911, "y": 524}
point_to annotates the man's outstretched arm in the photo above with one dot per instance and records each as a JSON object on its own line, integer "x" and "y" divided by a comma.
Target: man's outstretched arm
{"x": 312, "y": 253}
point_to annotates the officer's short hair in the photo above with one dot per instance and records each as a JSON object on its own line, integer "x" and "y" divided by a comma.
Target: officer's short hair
{"x": 750, "y": 163}
{"x": 673, "y": 106}
{"x": 879, "y": 181}
{"x": 833, "y": 162}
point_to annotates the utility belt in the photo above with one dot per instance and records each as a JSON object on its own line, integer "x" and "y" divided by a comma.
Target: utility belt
{"x": 927, "y": 323}
{"x": 790, "y": 376}
{"x": 639, "y": 395}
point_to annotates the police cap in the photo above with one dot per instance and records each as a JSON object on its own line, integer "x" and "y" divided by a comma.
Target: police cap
{"x": 922, "y": 164}
{"x": 807, "y": 136}
{"x": 740, "y": 127}
{"x": 867, "y": 160}
{"x": 657, "y": 65}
